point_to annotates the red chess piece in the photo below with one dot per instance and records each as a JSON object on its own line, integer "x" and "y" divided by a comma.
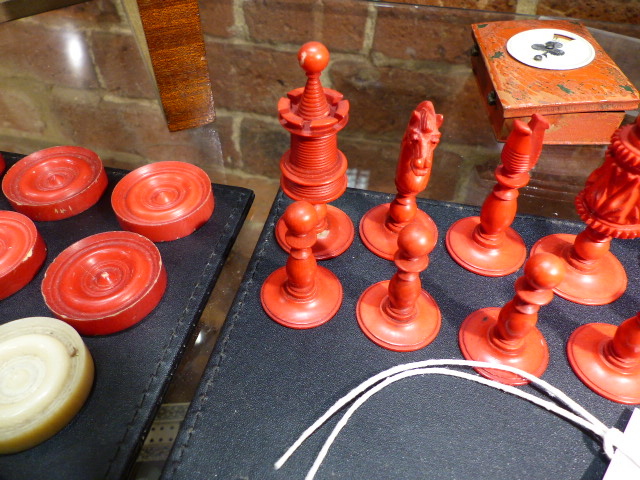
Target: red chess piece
{"x": 313, "y": 169}
{"x": 380, "y": 226}
{"x": 509, "y": 335}
{"x": 302, "y": 294}
{"x": 610, "y": 206}
{"x": 607, "y": 359}
{"x": 487, "y": 245}
{"x": 399, "y": 314}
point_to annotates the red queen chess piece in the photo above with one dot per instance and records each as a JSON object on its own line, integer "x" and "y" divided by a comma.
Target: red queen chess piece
{"x": 380, "y": 226}
{"x": 302, "y": 294}
{"x": 487, "y": 245}
{"x": 398, "y": 314}
{"x": 610, "y": 206}
{"x": 313, "y": 169}
{"x": 509, "y": 335}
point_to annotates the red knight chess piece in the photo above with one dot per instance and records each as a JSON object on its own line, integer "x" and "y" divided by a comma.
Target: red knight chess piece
{"x": 380, "y": 226}
{"x": 607, "y": 359}
{"x": 313, "y": 169}
{"x": 398, "y": 314}
{"x": 509, "y": 335}
{"x": 302, "y": 294}
{"x": 487, "y": 245}
{"x": 610, "y": 206}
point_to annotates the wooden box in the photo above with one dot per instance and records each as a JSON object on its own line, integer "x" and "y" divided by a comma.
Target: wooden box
{"x": 584, "y": 104}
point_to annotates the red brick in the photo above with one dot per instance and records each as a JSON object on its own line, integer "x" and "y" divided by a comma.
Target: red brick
{"x": 121, "y": 66}
{"x": 217, "y": 17}
{"x": 280, "y": 21}
{"x": 262, "y": 144}
{"x": 623, "y": 11}
{"x": 495, "y": 5}
{"x": 100, "y": 12}
{"x": 22, "y": 108}
{"x": 343, "y": 24}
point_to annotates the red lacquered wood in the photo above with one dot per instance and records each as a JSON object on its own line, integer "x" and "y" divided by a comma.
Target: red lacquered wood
{"x": 509, "y": 335}
{"x": 3, "y": 164}
{"x": 607, "y": 359}
{"x": 380, "y": 226}
{"x": 55, "y": 183}
{"x": 302, "y": 294}
{"x": 487, "y": 245}
{"x": 313, "y": 169}
{"x": 105, "y": 283}
{"x": 164, "y": 201}
{"x": 398, "y": 314}
{"x": 22, "y": 252}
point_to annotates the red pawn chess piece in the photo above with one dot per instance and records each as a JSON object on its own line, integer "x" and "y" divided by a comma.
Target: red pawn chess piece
{"x": 313, "y": 169}
{"x": 380, "y": 226}
{"x": 302, "y": 294}
{"x": 509, "y": 335}
{"x": 487, "y": 245}
{"x": 398, "y": 314}
{"x": 610, "y": 206}
{"x": 607, "y": 359}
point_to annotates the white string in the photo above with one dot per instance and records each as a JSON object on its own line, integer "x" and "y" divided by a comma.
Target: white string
{"x": 576, "y": 413}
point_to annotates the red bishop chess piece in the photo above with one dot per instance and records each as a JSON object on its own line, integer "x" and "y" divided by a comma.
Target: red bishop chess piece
{"x": 380, "y": 226}
{"x": 487, "y": 245}
{"x": 302, "y": 294}
{"x": 607, "y": 359}
{"x": 610, "y": 206}
{"x": 398, "y": 314}
{"x": 313, "y": 169}
{"x": 509, "y": 335}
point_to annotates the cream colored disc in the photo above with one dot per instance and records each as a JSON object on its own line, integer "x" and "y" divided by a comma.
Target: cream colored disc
{"x": 46, "y": 374}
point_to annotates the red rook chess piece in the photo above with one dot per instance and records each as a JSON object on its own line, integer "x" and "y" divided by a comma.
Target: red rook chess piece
{"x": 313, "y": 169}
{"x": 302, "y": 294}
{"x": 380, "y": 226}
{"x": 487, "y": 245}
{"x": 398, "y": 314}
{"x": 509, "y": 335}
{"x": 610, "y": 206}
{"x": 607, "y": 359}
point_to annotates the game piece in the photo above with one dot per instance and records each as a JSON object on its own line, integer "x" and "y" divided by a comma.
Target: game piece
{"x": 313, "y": 169}
{"x": 509, "y": 335}
{"x": 607, "y": 359}
{"x": 46, "y": 374}
{"x": 105, "y": 283}
{"x": 55, "y": 183}
{"x": 302, "y": 294}
{"x": 487, "y": 245}
{"x": 22, "y": 252}
{"x": 163, "y": 201}
{"x": 3, "y": 164}
{"x": 380, "y": 226}
{"x": 398, "y": 314}
{"x": 610, "y": 206}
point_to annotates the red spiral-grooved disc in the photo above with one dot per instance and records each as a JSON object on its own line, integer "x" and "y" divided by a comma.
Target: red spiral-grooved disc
{"x": 22, "y": 252}
{"x": 105, "y": 283}
{"x": 55, "y": 183}
{"x": 164, "y": 201}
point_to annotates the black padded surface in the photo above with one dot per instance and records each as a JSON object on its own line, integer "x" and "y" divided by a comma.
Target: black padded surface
{"x": 133, "y": 367}
{"x": 265, "y": 383}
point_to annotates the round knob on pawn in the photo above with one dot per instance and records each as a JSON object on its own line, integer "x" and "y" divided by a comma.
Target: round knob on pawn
{"x": 414, "y": 241}
{"x": 300, "y": 218}
{"x": 544, "y": 271}
{"x": 313, "y": 57}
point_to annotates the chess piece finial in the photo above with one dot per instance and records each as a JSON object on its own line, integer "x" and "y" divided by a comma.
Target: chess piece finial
{"x": 301, "y": 294}
{"x": 610, "y": 206}
{"x": 313, "y": 169}
{"x": 487, "y": 245}
{"x": 509, "y": 335}
{"x": 398, "y": 314}
{"x": 607, "y": 359}
{"x": 380, "y": 226}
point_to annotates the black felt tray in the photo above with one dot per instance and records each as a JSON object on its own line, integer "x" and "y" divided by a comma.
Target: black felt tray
{"x": 265, "y": 383}
{"x": 133, "y": 367}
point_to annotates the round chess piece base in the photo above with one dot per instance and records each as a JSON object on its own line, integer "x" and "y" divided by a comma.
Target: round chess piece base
{"x": 381, "y": 240}
{"x": 297, "y": 313}
{"x": 330, "y": 243}
{"x": 393, "y": 334}
{"x": 585, "y": 351}
{"x": 475, "y": 344}
{"x": 606, "y": 283}
{"x": 489, "y": 262}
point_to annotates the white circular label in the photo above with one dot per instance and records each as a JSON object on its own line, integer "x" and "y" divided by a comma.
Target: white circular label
{"x": 551, "y": 49}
